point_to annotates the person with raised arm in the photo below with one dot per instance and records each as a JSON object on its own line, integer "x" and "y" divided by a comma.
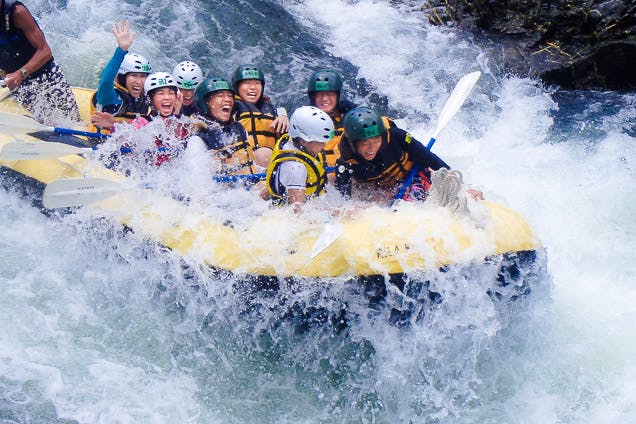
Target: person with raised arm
{"x": 120, "y": 95}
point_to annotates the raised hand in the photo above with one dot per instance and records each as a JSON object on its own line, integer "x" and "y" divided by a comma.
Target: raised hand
{"x": 122, "y": 34}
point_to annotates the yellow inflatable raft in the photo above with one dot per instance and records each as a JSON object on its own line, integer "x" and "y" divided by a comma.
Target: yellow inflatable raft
{"x": 373, "y": 241}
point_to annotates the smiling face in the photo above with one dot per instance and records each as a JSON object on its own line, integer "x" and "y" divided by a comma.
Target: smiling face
{"x": 220, "y": 104}
{"x": 163, "y": 100}
{"x": 368, "y": 148}
{"x": 135, "y": 83}
{"x": 188, "y": 96}
{"x": 250, "y": 91}
{"x": 326, "y": 100}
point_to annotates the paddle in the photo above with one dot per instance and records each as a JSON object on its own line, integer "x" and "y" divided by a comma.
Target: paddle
{"x": 14, "y": 123}
{"x": 70, "y": 192}
{"x": 252, "y": 177}
{"x": 330, "y": 233}
{"x": 76, "y": 193}
{"x": 30, "y": 150}
{"x": 451, "y": 107}
{"x": 7, "y": 94}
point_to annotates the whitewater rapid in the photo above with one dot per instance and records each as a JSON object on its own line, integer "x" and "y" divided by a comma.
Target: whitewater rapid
{"x": 99, "y": 327}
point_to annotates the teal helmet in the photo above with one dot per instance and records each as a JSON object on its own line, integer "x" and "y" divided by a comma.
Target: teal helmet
{"x": 324, "y": 80}
{"x": 362, "y": 122}
{"x": 208, "y": 86}
{"x": 247, "y": 72}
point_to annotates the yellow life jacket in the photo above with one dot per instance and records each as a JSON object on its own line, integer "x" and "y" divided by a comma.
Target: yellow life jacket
{"x": 234, "y": 150}
{"x": 332, "y": 150}
{"x": 257, "y": 121}
{"x": 316, "y": 174}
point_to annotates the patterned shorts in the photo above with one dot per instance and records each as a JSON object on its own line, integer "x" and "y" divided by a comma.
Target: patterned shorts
{"x": 49, "y": 98}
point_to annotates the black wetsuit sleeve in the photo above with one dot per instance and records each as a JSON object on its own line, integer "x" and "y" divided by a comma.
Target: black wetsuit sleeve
{"x": 418, "y": 153}
{"x": 343, "y": 177}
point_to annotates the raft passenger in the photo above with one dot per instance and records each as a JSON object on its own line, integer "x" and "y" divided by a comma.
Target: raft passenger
{"x": 376, "y": 152}
{"x": 218, "y": 130}
{"x": 324, "y": 90}
{"x": 28, "y": 67}
{"x": 163, "y": 94}
{"x": 263, "y": 122}
{"x": 296, "y": 171}
{"x": 188, "y": 76}
{"x": 120, "y": 94}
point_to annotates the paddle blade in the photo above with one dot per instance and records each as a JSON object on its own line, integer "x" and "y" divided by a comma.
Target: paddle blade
{"x": 456, "y": 100}
{"x": 30, "y": 150}
{"x": 14, "y": 123}
{"x": 78, "y": 192}
{"x": 330, "y": 233}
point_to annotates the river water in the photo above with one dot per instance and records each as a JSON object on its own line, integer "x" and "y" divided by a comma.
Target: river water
{"x": 99, "y": 327}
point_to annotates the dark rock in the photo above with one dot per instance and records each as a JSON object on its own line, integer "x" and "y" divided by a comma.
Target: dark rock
{"x": 578, "y": 44}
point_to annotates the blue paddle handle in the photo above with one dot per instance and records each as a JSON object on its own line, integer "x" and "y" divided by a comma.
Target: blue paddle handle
{"x": 77, "y": 132}
{"x": 251, "y": 177}
{"x": 409, "y": 178}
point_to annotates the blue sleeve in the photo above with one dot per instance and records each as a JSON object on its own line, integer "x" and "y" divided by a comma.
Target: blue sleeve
{"x": 106, "y": 94}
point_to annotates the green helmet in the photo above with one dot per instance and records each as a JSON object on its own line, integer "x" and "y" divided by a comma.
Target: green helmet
{"x": 208, "y": 86}
{"x": 324, "y": 80}
{"x": 247, "y": 72}
{"x": 362, "y": 122}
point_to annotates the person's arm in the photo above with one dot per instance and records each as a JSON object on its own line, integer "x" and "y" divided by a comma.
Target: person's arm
{"x": 178, "y": 104}
{"x": 297, "y": 198}
{"x": 23, "y": 20}
{"x": 293, "y": 176}
{"x": 425, "y": 158}
{"x": 418, "y": 153}
{"x": 106, "y": 94}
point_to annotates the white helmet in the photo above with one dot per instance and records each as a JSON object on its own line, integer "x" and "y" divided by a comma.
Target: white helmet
{"x": 188, "y": 75}
{"x": 134, "y": 63}
{"x": 311, "y": 124}
{"x": 159, "y": 80}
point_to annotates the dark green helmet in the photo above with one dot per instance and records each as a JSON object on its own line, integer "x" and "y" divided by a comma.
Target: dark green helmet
{"x": 210, "y": 85}
{"x": 362, "y": 122}
{"x": 324, "y": 80}
{"x": 247, "y": 72}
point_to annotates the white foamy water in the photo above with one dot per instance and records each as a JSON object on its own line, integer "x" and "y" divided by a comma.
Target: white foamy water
{"x": 100, "y": 327}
